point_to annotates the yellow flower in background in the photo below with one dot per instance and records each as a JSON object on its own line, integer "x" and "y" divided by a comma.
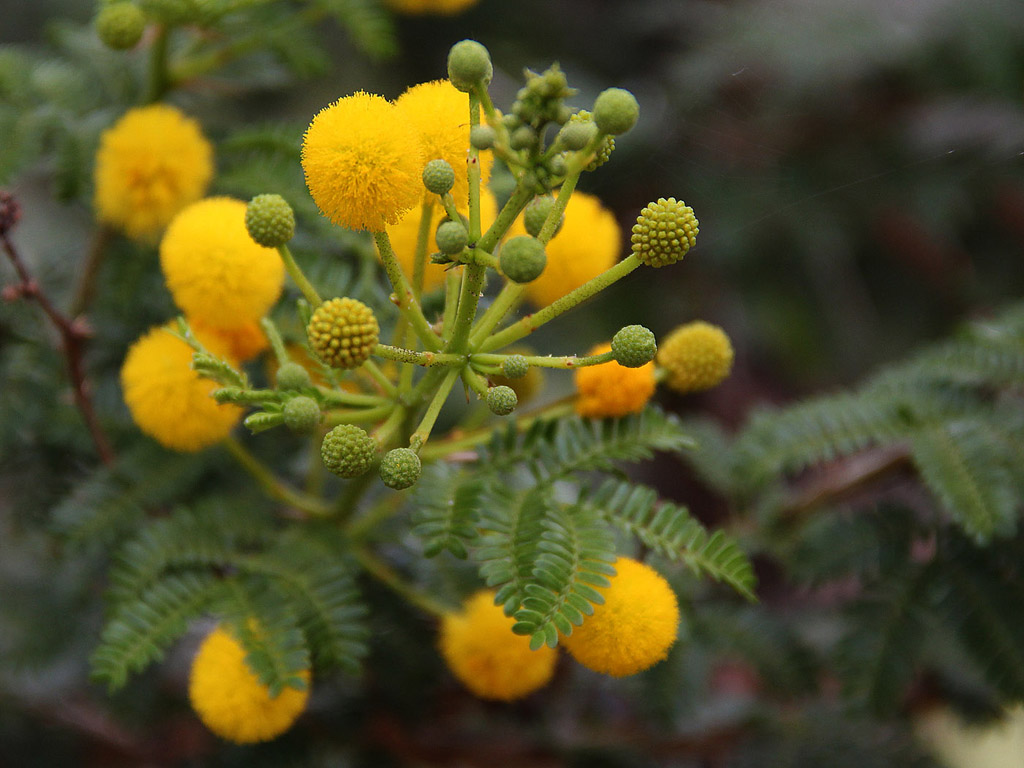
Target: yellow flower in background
{"x": 697, "y": 356}
{"x": 151, "y": 163}
{"x": 440, "y": 115}
{"x": 435, "y": 7}
{"x": 231, "y": 701}
{"x": 168, "y": 400}
{"x": 487, "y": 657}
{"x": 363, "y": 162}
{"x": 242, "y": 343}
{"x": 588, "y": 244}
{"x": 634, "y": 629}
{"x": 217, "y": 275}
{"x": 611, "y": 390}
{"x": 405, "y": 234}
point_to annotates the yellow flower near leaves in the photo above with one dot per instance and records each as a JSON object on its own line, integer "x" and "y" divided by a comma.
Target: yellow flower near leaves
{"x": 168, "y": 400}
{"x": 611, "y": 390}
{"x": 487, "y": 657}
{"x": 697, "y": 356}
{"x": 363, "y": 162}
{"x": 241, "y": 343}
{"x": 634, "y": 628}
{"x": 231, "y": 701}
{"x": 216, "y": 274}
{"x": 151, "y": 163}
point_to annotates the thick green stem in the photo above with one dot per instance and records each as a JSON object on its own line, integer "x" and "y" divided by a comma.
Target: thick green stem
{"x": 300, "y": 279}
{"x": 475, "y": 381}
{"x": 452, "y": 286}
{"x": 158, "y": 79}
{"x": 271, "y": 485}
{"x": 415, "y": 396}
{"x": 422, "y": 243}
{"x": 404, "y": 296}
{"x": 504, "y": 302}
{"x": 386, "y": 431}
{"x": 427, "y": 359}
{"x": 547, "y": 361}
{"x": 422, "y": 433}
{"x": 378, "y": 376}
{"x": 473, "y": 172}
{"x": 276, "y": 342}
{"x": 359, "y": 415}
{"x": 521, "y": 195}
{"x": 383, "y": 573}
{"x": 341, "y": 397}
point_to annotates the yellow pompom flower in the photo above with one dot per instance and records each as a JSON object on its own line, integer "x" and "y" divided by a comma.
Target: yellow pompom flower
{"x": 440, "y": 115}
{"x": 405, "y": 234}
{"x": 436, "y": 7}
{"x": 485, "y": 655}
{"x": 697, "y": 356}
{"x": 151, "y": 163}
{"x": 634, "y": 629}
{"x": 588, "y": 244}
{"x": 242, "y": 343}
{"x": 167, "y": 399}
{"x": 611, "y": 390}
{"x": 216, "y": 274}
{"x": 231, "y": 701}
{"x": 363, "y": 162}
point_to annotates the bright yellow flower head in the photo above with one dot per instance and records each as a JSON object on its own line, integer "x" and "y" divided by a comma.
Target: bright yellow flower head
{"x": 440, "y": 114}
{"x": 483, "y": 653}
{"x": 231, "y": 701}
{"x": 635, "y": 627}
{"x": 216, "y": 273}
{"x": 363, "y": 162}
{"x": 697, "y": 356}
{"x": 405, "y": 234}
{"x": 151, "y": 163}
{"x": 437, "y": 7}
{"x": 167, "y": 399}
{"x": 586, "y": 246}
{"x": 612, "y": 390}
{"x": 242, "y": 343}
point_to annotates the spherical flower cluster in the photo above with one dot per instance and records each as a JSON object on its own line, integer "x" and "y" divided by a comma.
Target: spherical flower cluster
{"x": 586, "y": 246}
{"x": 697, "y": 356}
{"x": 664, "y": 232}
{"x": 611, "y": 390}
{"x": 434, "y": 7}
{"x": 348, "y": 451}
{"x": 634, "y": 628}
{"x": 120, "y": 25}
{"x": 216, "y": 274}
{"x": 241, "y": 343}
{"x": 168, "y": 400}
{"x": 343, "y": 332}
{"x": 440, "y": 116}
{"x": 231, "y": 701}
{"x": 400, "y": 468}
{"x": 151, "y": 163}
{"x": 485, "y": 655}
{"x": 363, "y": 162}
{"x": 269, "y": 220}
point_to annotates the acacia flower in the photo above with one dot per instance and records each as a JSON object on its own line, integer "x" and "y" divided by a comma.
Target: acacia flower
{"x": 611, "y": 390}
{"x": 697, "y": 356}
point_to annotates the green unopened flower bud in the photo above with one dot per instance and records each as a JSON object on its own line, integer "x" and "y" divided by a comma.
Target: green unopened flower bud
{"x": 438, "y": 176}
{"x": 634, "y": 346}
{"x": 400, "y": 468}
{"x": 536, "y": 213}
{"x": 501, "y": 400}
{"x": 511, "y": 121}
{"x": 515, "y": 366}
{"x": 523, "y": 259}
{"x": 576, "y": 134}
{"x": 604, "y": 149}
{"x": 270, "y": 220}
{"x": 301, "y": 414}
{"x": 522, "y": 137}
{"x": 348, "y": 451}
{"x": 451, "y": 237}
{"x": 469, "y": 65}
{"x": 482, "y": 136}
{"x": 292, "y": 376}
{"x": 615, "y": 111}
{"x": 343, "y": 332}
{"x": 556, "y": 165}
{"x": 120, "y": 25}
{"x": 664, "y": 232}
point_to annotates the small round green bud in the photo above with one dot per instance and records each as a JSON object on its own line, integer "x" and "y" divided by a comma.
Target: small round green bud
{"x": 557, "y": 165}
{"x": 615, "y": 111}
{"x": 400, "y": 468}
{"x": 536, "y": 213}
{"x": 451, "y": 237}
{"x": 438, "y": 176}
{"x": 576, "y": 134}
{"x": 301, "y": 414}
{"x": 343, "y": 332}
{"x": 120, "y": 25}
{"x": 522, "y": 137}
{"x": 664, "y": 232}
{"x": 515, "y": 366}
{"x": 563, "y": 116}
{"x": 482, "y": 136}
{"x": 501, "y": 400}
{"x": 523, "y": 259}
{"x": 469, "y": 65}
{"x": 511, "y": 121}
{"x": 604, "y": 149}
{"x": 293, "y": 376}
{"x": 348, "y": 451}
{"x": 634, "y": 346}
{"x": 270, "y": 220}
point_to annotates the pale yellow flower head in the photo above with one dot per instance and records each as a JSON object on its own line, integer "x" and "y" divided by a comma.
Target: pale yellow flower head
{"x": 487, "y": 657}
{"x": 215, "y": 272}
{"x": 611, "y": 390}
{"x": 231, "y": 701}
{"x": 363, "y": 162}
{"x": 634, "y": 629}
{"x": 168, "y": 400}
{"x": 151, "y": 163}
{"x": 697, "y": 356}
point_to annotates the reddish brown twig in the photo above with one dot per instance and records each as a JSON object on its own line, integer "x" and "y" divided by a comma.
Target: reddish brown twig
{"x": 73, "y": 332}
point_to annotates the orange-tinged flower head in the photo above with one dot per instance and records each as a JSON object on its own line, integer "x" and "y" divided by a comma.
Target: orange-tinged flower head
{"x": 242, "y": 343}
{"x": 230, "y": 699}
{"x": 487, "y": 657}
{"x": 611, "y": 390}
{"x": 363, "y": 162}
{"x": 634, "y": 628}
{"x": 151, "y": 163}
